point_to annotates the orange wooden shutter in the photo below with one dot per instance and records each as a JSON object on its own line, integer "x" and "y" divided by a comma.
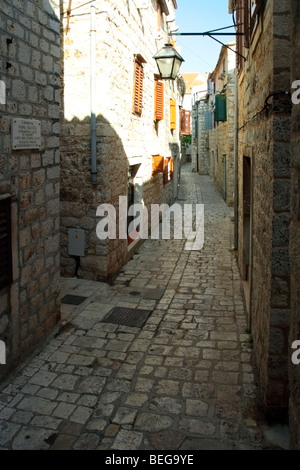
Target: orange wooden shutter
{"x": 159, "y": 12}
{"x": 172, "y": 168}
{"x": 138, "y": 88}
{"x": 159, "y": 101}
{"x": 185, "y": 122}
{"x": 172, "y": 114}
{"x": 157, "y": 164}
{"x": 167, "y": 169}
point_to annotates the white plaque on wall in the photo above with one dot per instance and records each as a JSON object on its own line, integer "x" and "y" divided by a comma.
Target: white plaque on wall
{"x": 26, "y": 134}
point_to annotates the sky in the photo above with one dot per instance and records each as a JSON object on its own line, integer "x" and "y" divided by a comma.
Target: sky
{"x": 201, "y": 53}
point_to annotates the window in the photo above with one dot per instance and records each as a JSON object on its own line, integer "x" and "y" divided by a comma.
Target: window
{"x": 168, "y": 169}
{"x": 158, "y": 100}
{"x": 164, "y": 166}
{"x": 5, "y": 243}
{"x": 138, "y": 87}
{"x": 255, "y": 11}
{"x": 220, "y": 109}
{"x": 242, "y": 19}
{"x": 159, "y": 16}
{"x": 157, "y": 164}
{"x": 185, "y": 122}
{"x": 208, "y": 120}
{"x": 172, "y": 114}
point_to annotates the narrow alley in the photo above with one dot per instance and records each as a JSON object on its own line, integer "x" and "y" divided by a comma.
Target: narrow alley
{"x": 180, "y": 380}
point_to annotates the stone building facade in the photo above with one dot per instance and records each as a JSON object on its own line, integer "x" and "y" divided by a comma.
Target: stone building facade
{"x": 29, "y": 174}
{"x": 214, "y": 125}
{"x": 294, "y": 367}
{"x": 136, "y": 153}
{"x": 221, "y": 137}
{"x": 264, "y": 187}
{"x": 202, "y": 122}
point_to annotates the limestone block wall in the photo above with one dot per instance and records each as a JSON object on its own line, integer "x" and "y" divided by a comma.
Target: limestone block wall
{"x": 30, "y": 70}
{"x": 294, "y": 369}
{"x": 221, "y": 137}
{"x": 264, "y": 133}
{"x": 124, "y": 141}
{"x": 202, "y": 144}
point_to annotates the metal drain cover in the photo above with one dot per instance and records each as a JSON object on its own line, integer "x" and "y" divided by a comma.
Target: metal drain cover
{"x": 127, "y": 316}
{"x": 73, "y": 299}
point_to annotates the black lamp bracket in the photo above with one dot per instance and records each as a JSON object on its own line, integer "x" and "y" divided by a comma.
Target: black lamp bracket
{"x": 215, "y": 32}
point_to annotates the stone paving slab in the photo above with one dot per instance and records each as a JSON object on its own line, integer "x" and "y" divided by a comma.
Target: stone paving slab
{"x": 184, "y": 381}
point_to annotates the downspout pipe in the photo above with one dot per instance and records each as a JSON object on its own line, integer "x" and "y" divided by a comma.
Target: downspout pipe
{"x": 236, "y": 166}
{"x": 93, "y": 91}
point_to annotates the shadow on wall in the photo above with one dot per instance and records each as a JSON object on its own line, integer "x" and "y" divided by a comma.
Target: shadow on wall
{"x": 87, "y": 256}
{"x": 83, "y": 254}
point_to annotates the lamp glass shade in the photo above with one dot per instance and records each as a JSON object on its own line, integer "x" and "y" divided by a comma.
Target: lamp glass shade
{"x": 168, "y": 62}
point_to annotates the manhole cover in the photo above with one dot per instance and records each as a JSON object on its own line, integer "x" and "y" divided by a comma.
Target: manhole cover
{"x": 127, "y": 316}
{"x": 73, "y": 299}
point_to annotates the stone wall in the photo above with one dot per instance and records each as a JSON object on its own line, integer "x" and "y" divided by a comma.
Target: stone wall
{"x": 30, "y": 69}
{"x": 124, "y": 140}
{"x": 264, "y": 133}
{"x": 294, "y": 369}
{"x": 218, "y": 143}
{"x": 202, "y": 143}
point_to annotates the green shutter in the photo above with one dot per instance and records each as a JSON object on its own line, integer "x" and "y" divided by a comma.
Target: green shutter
{"x": 220, "y": 111}
{"x": 208, "y": 120}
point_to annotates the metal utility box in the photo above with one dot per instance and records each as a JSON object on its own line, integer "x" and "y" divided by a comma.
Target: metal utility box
{"x": 76, "y": 242}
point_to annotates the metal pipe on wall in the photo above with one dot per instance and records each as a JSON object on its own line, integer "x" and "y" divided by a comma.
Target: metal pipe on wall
{"x": 93, "y": 91}
{"x": 236, "y": 167}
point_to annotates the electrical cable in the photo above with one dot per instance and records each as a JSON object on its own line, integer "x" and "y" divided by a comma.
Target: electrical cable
{"x": 266, "y": 106}
{"x": 76, "y": 8}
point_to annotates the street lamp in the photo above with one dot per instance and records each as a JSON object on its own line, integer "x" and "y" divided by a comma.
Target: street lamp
{"x": 168, "y": 62}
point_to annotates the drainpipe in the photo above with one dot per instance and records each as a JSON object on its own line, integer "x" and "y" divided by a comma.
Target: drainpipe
{"x": 93, "y": 91}
{"x": 236, "y": 167}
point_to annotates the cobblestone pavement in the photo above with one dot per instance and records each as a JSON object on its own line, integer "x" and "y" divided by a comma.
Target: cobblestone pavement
{"x": 182, "y": 381}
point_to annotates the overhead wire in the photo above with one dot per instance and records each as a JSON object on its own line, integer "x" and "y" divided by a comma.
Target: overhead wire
{"x": 70, "y": 10}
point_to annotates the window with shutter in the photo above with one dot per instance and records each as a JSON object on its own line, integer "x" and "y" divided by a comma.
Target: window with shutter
{"x": 172, "y": 114}
{"x": 168, "y": 169}
{"x": 255, "y": 11}
{"x": 185, "y": 122}
{"x": 5, "y": 243}
{"x": 220, "y": 109}
{"x": 208, "y": 120}
{"x": 157, "y": 164}
{"x": 242, "y": 19}
{"x": 158, "y": 100}
{"x": 138, "y": 88}
{"x": 159, "y": 13}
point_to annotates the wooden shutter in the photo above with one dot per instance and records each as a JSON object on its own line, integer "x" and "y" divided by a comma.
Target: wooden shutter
{"x": 172, "y": 168}
{"x": 242, "y": 19}
{"x": 159, "y": 13}
{"x": 138, "y": 88}
{"x": 256, "y": 10}
{"x": 208, "y": 120}
{"x": 220, "y": 110}
{"x": 185, "y": 122}
{"x": 172, "y": 114}
{"x": 5, "y": 243}
{"x": 158, "y": 100}
{"x": 157, "y": 164}
{"x": 166, "y": 170}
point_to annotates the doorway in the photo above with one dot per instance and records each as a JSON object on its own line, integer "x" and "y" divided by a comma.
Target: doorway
{"x": 133, "y": 197}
